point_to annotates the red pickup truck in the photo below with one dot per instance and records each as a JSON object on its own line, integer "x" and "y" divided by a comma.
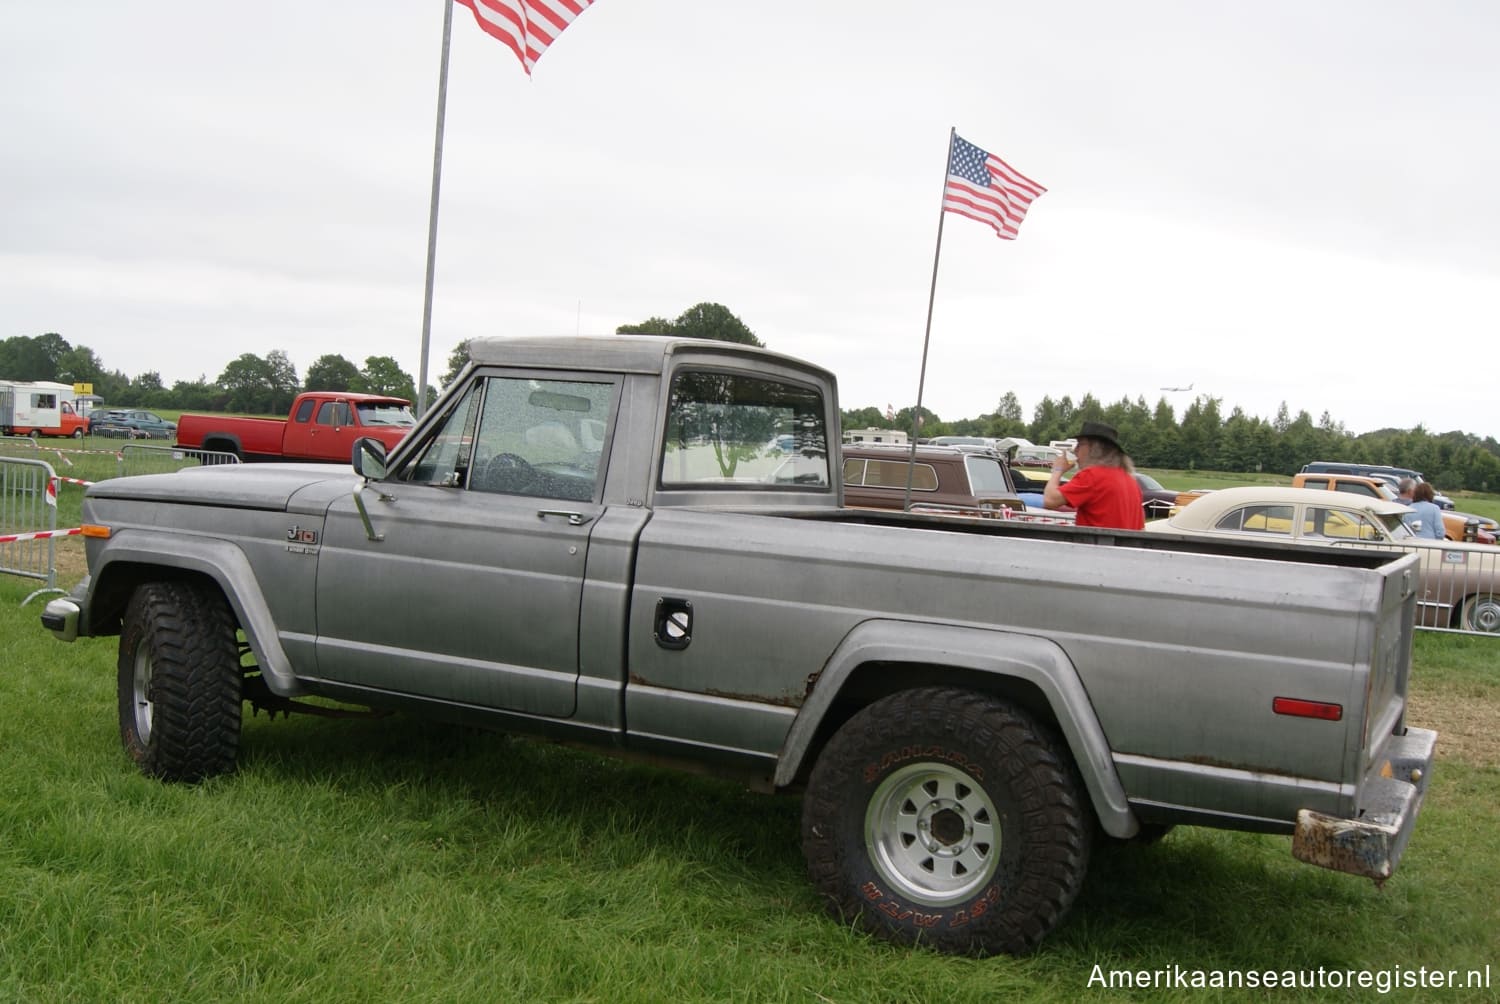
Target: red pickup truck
{"x": 321, "y": 428}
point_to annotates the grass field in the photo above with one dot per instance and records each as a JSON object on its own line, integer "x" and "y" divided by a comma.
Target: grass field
{"x": 394, "y": 860}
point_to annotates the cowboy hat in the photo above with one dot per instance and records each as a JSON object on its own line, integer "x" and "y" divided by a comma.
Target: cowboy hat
{"x": 1098, "y": 430}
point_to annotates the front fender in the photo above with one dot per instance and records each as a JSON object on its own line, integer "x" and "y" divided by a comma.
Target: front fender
{"x": 995, "y": 654}
{"x": 215, "y": 559}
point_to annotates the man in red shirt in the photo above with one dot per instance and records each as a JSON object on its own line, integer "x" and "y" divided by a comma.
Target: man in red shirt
{"x": 1103, "y": 492}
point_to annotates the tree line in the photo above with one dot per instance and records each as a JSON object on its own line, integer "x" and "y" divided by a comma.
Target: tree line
{"x": 249, "y": 383}
{"x": 1202, "y": 439}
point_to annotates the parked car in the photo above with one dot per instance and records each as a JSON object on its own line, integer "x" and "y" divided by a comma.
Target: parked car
{"x": 1156, "y": 500}
{"x": 947, "y": 479}
{"x": 1456, "y": 525}
{"x": 1027, "y": 483}
{"x": 1385, "y": 471}
{"x": 1183, "y": 498}
{"x": 132, "y": 424}
{"x": 1458, "y": 583}
{"x": 321, "y": 427}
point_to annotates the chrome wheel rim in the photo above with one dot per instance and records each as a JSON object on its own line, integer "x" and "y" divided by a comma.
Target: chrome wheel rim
{"x": 933, "y": 832}
{"x": 140, "y": 696}
{"x": 1484, "y": 614}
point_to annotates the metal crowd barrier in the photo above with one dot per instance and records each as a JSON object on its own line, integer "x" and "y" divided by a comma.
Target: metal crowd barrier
{"x": 28, "y": 522}
{"x": 134, "y": 459}
{"x": 1459, "y": 588}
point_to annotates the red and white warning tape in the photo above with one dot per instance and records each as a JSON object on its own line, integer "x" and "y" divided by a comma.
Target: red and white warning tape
{"x": 11, "y": 538}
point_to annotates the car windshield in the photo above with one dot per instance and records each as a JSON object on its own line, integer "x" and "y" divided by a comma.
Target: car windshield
{"x": 385, "y": 413}
{"x": 986, "y": 475}
{"x": 1394, "y": 526}
{"x": 1149, "y": 483}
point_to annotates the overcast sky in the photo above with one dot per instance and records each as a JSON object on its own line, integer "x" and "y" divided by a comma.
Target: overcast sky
{"x": 1272, "y": 201}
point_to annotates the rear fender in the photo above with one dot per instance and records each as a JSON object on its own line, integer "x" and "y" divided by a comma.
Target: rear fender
{"x": 981, "y": 654}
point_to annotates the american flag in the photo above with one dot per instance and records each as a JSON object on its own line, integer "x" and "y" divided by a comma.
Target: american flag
{"x": 983, "y": 187}
{"x": 527, "y": 26}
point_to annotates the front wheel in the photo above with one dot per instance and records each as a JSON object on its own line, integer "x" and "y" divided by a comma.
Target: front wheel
{"x": 1481, "y": 613}
{"x": 947, "y": 818}
{"x": 179, "y": 682}
{"x": 78, "y": 433}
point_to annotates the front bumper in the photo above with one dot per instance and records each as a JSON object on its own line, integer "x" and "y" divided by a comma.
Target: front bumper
{"x": 1372, "y": 842}
{"x": 62, "y": 615}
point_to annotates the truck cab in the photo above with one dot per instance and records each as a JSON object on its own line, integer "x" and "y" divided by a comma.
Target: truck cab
{"x": 325, "y": 425}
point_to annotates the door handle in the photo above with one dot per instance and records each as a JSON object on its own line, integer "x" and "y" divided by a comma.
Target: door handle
{"x": 573, "y": 518}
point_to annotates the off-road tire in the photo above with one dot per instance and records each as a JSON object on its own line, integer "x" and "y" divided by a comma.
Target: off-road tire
{"x": 179, "y": 682}
{"x": 947, "y": 818}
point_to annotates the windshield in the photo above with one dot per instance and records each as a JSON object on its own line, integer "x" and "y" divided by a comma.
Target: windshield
{"x": 1395, "y": 526}
{"x": 986, "y": 476}
{"x": 385, "y": 413}
{"x": 1149, "y": 483}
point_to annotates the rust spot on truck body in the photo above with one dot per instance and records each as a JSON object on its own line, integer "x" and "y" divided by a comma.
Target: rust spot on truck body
{"x": 779, "y": 700}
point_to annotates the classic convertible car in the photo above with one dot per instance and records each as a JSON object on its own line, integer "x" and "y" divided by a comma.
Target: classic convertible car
{"x": 1459, "y": 583}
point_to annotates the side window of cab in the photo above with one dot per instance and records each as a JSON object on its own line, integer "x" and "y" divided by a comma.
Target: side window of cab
{"x": 541, "y": 438}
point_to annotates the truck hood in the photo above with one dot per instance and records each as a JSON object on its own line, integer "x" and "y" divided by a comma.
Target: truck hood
{"x": 279, "y": 487}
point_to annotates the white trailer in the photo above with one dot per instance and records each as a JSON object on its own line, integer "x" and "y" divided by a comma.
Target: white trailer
{"x": 39, "y": 407}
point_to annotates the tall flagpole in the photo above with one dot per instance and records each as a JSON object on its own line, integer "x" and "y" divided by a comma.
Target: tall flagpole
{"x": 916, "y": 419}
{"x": 432, "y": 218}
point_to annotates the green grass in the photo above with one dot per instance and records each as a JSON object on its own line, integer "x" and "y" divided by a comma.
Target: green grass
{"x": 394, "y": 860}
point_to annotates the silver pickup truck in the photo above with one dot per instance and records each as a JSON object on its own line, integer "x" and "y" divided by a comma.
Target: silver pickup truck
{"x": 637, "y": 544}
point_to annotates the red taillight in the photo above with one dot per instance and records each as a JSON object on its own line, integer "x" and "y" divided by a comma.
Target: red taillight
{"x": 1307, "y": 709}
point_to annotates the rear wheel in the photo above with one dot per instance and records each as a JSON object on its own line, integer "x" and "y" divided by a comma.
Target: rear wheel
{"x": 947, "y": 818}
{"x": 1481, "y": 613}
{"x": 179, "y": 682}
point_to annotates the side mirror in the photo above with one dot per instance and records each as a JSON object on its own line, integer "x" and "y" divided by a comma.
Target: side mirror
{"x": 369, "y": 458}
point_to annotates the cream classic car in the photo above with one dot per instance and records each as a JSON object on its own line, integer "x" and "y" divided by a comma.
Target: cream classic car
{"x": 1460, "y": 582}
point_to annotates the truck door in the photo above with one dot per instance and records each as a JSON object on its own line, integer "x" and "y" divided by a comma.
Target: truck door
{"x": 473, "y": 593}
{"x": 328, "y": 436}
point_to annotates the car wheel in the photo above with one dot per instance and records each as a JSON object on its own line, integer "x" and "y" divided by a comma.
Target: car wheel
{"x": 1481, "y": 613}
{"x": 78, "y": 433}
{"x": 947, "y": 818}
{"x": 179, "y": 682}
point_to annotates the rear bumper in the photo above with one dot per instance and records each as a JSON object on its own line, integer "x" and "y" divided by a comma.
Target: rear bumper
{"x": 1371, "y": 843}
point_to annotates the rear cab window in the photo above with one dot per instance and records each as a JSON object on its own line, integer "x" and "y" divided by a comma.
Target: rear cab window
{"x": 727, "y": 430}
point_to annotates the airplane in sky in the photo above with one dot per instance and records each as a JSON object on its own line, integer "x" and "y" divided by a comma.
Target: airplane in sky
{"x": 1188, "y": 387}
